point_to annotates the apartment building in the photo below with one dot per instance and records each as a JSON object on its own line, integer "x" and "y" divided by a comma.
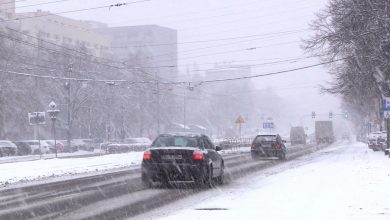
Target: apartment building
{"x": 151, "y": 46}
{"x": 7, "y": 9}
{"x": 64, "y": 31}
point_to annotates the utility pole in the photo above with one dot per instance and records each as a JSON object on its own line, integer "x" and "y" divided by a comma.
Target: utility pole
{"x": 68, "y": 87}
{"x": 158, "y": 107}
{"x": 108, "y": 126}
{"x": 184, "y": 109}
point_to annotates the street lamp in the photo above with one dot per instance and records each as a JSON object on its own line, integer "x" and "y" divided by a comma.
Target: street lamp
{"x": 53, "y": 113}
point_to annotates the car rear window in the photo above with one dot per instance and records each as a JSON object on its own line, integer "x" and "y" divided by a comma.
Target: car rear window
{"x": 265, "y": 138}
{"x": 175, "y": 141}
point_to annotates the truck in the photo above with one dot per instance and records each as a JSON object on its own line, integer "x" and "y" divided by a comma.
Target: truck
{"x": 324, "y": 132}
{"x": 297, "y": 135}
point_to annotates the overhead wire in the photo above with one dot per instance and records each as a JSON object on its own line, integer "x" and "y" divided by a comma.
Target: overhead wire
{"x": 77, "y": 10}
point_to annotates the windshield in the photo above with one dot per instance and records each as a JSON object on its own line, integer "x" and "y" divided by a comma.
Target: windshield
{"x": 175, "y": 141}
{"x": 267, "y": 138}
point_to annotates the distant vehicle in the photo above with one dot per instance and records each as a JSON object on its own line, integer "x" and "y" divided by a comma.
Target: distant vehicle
{"x": 324, "y": 132}
{"x": 23, "y": 148}
{"x": 34, "y": 144}
{"x": 381, "y": 141}
{"x": 346, "y": 136}
{"x": 7, "y": 148}
{"x": 372, "y": 141}
{"x": 129, "y": 144}
{"x": 297, "y": 135}
{"x": 60, "y": 146}
{"x": 82, "y": 144}
{"x": 268, "y": 145}
{"x": 182, "y": 157}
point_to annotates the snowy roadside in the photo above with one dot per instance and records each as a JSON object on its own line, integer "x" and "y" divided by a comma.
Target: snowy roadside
{"x": 77, "y": 154}
{"x": 341, "y": 182}
{"x": 43, "y": 169}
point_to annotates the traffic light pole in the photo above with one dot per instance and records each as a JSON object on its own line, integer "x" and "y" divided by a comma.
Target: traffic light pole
{"x": 388, "y": 133}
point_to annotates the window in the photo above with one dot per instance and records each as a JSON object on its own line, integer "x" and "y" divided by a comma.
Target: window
{"x": 265, "y": 138}
{"x": 175, "y": 141}
{"x": 208, "y": 144}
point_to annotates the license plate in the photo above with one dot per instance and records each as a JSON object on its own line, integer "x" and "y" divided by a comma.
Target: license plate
{"x": 172, "y": 157}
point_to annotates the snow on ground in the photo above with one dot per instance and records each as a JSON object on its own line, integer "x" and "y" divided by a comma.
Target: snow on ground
{"x": 13, "y": 159}
{"x": 41, "y": 169}
{"x": 22, "y": 169}
{"x": 343, "y": 182}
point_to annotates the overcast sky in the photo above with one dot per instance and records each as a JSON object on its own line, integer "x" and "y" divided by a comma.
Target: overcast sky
{"x": 277, "y": 28}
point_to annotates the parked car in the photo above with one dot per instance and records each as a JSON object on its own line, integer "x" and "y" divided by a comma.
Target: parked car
{"x": 268, "y": 145}
{"x": 381, "y": 140}
{"x": 182, "y": 157}
{"x": 372, "y": 141}
{"x": 82, "y": 144}
{"x": 60, "y": 146}
{"x": 7, "y": 148}
{"x": 23, "y": 148}
{"x": 34, "y": 144}
{"x": 129, "y": 144}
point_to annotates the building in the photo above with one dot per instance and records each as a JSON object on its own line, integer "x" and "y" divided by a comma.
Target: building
{"x": 64, "y": 31}
{"x": 150, "y": 46}
{"x": 7, "y": 9}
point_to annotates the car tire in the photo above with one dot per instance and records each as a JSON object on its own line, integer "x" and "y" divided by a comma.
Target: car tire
{"x": 221, "y": 177}
{"x": 146, "y": 181}
{"x": 206, "y": 181}
{"x": 282, "y": 155}
{"x": 254, "y": 156}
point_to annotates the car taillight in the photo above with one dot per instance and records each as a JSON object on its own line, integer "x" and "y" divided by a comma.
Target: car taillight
{"x": 197, "y": 155}
{"x": 147, "y": 155}
{"x": 253, "y": 146}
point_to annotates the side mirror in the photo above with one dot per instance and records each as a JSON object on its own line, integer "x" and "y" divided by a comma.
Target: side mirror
{"x": 218, "y": 148}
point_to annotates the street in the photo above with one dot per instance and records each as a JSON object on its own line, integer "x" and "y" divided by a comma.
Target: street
{"x": 346, "y": 181}
{"x": 118, "y": 194}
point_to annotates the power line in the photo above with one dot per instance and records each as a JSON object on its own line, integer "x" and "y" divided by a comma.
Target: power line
{"x": 38, "y": 4}
{"x": 231, "y": 51}
{"x": 271, "y": 73}
{"x": 78, "y": 10}
{"x": 216, "y": 39}
{"x": 11, "y": 2}
{"x": 173, "y": 83}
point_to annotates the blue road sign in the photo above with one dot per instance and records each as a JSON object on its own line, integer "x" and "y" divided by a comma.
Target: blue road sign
{"x": 386, "y": 104}
{"x": 268, "y": 125}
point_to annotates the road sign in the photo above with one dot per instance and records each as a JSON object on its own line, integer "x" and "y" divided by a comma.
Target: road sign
{"x": 386, "y": 104}
{"x": 268, "y": 125}
{"x": 240, "y": 120}
{"x": 386, "y": 114}
{"x": 37, "y": 118}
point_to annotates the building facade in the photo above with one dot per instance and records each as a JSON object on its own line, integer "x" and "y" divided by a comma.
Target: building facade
{"x": 7, "y": 9}
{"x": 150, "y": 46}
{"x": 64, "y": 31}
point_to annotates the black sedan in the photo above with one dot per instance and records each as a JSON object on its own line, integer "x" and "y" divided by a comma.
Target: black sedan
{"x": 182, "y": 157}
{"x": 269, "y": 145}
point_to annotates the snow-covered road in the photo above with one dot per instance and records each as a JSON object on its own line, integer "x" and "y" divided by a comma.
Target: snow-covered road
{"x": 30, "y": 168}
{"x": 348, "y": 181}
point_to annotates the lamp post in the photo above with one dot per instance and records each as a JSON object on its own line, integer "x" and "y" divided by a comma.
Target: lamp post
{"x": 53, "y": 113}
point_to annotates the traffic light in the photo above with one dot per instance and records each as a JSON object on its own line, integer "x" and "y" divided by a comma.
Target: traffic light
{"x": 330, "y": 115}
{"x": 346, "y": 115}
{"x": 313, "y": 115}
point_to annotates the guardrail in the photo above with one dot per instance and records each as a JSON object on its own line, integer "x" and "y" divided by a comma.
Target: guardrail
{"x": 233, "y": 143}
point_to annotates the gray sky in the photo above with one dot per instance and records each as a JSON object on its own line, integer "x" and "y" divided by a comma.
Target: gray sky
{"x": 214, "y": 19}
